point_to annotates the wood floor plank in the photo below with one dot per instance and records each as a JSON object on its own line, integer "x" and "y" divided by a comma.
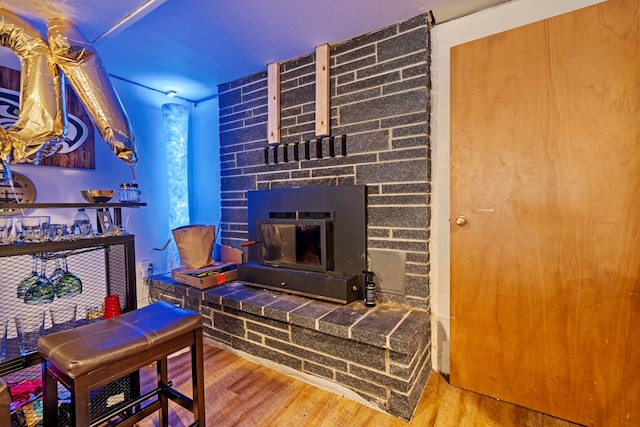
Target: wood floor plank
{"x": 429, "y": 405}
{"x": 241, "y": 393}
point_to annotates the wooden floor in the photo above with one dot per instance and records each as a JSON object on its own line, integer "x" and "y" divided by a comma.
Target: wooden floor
{"x": 241, "y": 393}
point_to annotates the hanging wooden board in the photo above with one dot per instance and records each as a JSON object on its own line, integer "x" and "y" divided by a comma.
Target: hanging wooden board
{"x": 273, "y": 102}
{"x": 323, "y": 76}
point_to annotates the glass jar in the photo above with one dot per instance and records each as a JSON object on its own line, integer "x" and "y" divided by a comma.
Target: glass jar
{"x": 129, "y": 193}
{"x": 81, "y": 223}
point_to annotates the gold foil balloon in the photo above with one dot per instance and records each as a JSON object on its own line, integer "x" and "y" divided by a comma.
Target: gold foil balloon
{"x": 82, "y": 66}
{"x": 42, "y": 120}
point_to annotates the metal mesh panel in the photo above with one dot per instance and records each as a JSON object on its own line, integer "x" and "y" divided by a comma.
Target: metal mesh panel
{"x": 87, "y": 266}
{"x": 117, "y": 274}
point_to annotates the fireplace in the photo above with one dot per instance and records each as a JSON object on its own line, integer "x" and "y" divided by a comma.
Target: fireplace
{"x": 303, "y": 244}
{"x": 309, "y": 241}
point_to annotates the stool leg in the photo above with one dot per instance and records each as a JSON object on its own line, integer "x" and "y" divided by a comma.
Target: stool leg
{"x": 5, "y": 415}
{"x": 80, "y": 401}
{"x": 162, "y": 367}
{"x": 197, "y": 375}
{"x": 49, "y": 397}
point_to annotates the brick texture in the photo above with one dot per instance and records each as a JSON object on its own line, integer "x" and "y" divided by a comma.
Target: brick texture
{"x": 381, "y": 353}
{"x": 380, "y": 99}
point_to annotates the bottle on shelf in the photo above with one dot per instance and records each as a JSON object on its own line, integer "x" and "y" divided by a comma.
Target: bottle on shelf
{"x": 370, "y": 289}
{"x": 81, "y": 223}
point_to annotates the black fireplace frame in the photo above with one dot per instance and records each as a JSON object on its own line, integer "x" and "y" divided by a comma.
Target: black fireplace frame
{"x": 345, "y": 208}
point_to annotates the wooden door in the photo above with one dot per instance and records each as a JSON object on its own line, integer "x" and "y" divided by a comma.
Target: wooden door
{"x": 545, "y": 165}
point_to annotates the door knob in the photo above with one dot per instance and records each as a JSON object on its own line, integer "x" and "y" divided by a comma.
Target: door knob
{"x": 461, "y": 220}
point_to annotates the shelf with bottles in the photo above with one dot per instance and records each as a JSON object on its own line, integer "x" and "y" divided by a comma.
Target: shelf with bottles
{"x": 13, "y": 208}
{"x": 26, "y": 206}
{"x": 103, "y": 217}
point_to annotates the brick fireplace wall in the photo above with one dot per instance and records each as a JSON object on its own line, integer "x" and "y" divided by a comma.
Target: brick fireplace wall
{"x": 380, "y": 99}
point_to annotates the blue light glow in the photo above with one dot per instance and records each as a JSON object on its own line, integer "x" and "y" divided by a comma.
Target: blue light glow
{"x": 175, "y": 118}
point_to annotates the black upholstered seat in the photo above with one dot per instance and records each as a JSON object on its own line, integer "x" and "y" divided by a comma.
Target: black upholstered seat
{"x": 83, "y": 349}
{"x": 93, "y": 355}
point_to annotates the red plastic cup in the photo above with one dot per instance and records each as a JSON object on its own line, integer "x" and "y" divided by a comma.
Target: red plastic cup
{"x": 111, "y": 306}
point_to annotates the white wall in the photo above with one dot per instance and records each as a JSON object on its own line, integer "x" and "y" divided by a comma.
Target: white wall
{"x": 205, "y": 151}
{"x": 482, "y": 24}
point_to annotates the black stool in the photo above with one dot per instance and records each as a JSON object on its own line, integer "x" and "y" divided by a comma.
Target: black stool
{"x": 91, "y": 356}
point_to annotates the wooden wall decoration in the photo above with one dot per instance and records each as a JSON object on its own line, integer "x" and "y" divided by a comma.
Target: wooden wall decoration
{"x": 273, "y": 103}
{"x": 79, "y": 150}
{"x": 323, "y": 85}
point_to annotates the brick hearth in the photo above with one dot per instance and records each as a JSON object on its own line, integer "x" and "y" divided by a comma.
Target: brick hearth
{"x": 381, "y": 353}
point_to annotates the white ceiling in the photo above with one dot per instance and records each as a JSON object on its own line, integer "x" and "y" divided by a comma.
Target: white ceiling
{"x": 191, "y": 46}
